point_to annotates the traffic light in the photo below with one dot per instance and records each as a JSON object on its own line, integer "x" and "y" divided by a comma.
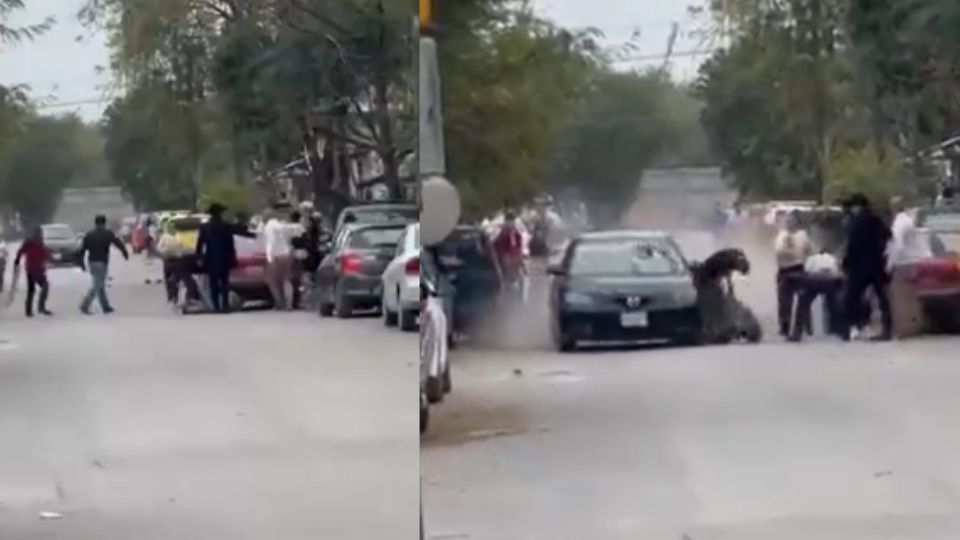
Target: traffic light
{"x": 426, "y": 14}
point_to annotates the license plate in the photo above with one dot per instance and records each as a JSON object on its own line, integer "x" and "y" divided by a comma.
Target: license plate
{"x": 634, "y": 319}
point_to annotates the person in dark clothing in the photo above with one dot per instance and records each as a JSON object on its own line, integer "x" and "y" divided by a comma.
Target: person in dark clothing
{"x": 298, "y": 242}
{"x": 217, "y": 254}
{"x": 95, "y": 257}
{"x": 36, "y": 255}
{"x": 865, "y": 265}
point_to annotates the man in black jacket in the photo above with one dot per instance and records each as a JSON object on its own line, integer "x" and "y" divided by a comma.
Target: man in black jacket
{"x": 217, "y": 253}
{"x": 866, "y": 264}
{"x": 95, "y": 256}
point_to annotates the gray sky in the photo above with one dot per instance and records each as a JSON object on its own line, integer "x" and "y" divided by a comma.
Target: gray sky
{"x": 619, "y": 20}
{"x": 58, "y": 68}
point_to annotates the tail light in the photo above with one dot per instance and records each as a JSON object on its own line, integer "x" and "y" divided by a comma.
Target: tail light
{"x": 412, "y": 268}
{"x": 350, "y": 263}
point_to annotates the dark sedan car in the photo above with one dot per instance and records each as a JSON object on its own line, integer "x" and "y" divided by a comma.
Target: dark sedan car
{"x": 349, "y": 278}
{"x": 623, "y": 287}
{"x": 62, "y": 243}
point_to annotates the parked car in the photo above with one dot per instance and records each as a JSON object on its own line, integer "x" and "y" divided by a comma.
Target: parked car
{"x": 62, "y": 243}
{"x": 377, "y": 214}
{"x": 623, "y": 286}
{"x": 435, "y": 377}
{"x": 248, "y": 281}
{"x": 187, "y": 229}
{"x": 401, "y": 283}
{"x": 350, "y": 276}
{"x": 467, "y": 261}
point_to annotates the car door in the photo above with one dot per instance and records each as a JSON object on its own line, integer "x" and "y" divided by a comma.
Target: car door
{"x": 327, "y": 273}
{"x": 391, "y": 276}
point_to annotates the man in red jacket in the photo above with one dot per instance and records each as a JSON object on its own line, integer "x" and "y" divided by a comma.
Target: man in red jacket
{"x": 37, "y": 256}
{"x": 508, "y": 245}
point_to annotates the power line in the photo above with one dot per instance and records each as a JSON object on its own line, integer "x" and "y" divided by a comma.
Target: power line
{"x": 663, "y": 56}
{"x": 79, "y": 102}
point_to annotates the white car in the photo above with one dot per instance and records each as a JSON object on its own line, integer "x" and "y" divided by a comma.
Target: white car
{"x": 401, "y": 283}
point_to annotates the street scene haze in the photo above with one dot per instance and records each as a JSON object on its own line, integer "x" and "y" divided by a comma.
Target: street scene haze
{"x": 207, "y": 214}
{"x": 689, "y": 269}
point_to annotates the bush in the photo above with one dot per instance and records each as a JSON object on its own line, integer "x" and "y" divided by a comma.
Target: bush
{"x": 865, "y": 171}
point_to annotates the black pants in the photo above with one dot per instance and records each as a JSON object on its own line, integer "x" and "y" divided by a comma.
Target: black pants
{"x": 34, "y": 281}
{"x": 809, "y": 288}
{"x": 857, "y": 286}
{"x": 787, "y": 282}
{"x": 219, "y": 280}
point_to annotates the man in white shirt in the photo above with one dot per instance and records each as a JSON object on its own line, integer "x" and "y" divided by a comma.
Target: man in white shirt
{"x": 278, "y": 237}
{"x": 792, "y": 247}
{"x": 903, "y": 241}
{"x": 821, "y": 278}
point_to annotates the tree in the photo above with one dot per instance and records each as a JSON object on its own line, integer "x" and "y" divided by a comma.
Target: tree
{"x": 624, "y": 126}
{"x": 511, "y": 82}
{"x": 39, "y": 163}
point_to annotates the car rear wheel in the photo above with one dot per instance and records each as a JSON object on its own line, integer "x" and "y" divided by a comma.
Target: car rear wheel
{"x": 408, "y": 320}
{"x": 434, "y": 390}
{"x": 424, "y": 415}
{"x": 343, "y": 306}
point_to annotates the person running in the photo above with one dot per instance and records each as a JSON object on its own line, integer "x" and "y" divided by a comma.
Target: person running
{"x": 508, "y": 246}
{"x": 95, "y": 258}
{"x": 792, "y": 247}
{"x": 36, "y": 255}
{"x": 866, "y": 266}
{"x": 217, "y": 253}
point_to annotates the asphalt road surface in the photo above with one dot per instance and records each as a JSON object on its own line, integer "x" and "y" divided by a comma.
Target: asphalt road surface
{"x": 148, "y": 425}
{"x": 821, "y": 440}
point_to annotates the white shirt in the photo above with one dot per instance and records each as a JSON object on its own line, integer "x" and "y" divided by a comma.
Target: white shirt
{"x": 823, "y": 264}
{"x": 792, "y": 248}
{"x": 278, "y": 236}
{"x": 903, "y": 241}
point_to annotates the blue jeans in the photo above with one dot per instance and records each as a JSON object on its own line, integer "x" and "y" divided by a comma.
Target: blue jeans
{"x": 98, "y": 272}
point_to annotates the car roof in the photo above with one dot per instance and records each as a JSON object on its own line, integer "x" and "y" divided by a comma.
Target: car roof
{"x": 626, "y": 234}
{"x": 357, "y": 227}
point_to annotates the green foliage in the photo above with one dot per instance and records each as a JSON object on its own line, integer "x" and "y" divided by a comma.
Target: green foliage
{"x": 237, "y": 198}
{"x": 38, "y": 164}
{"x": 877, "y": 174}
{"x": 624, "y": 126}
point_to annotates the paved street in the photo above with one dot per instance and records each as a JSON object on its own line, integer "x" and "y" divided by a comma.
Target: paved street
{"x": 822, "y": 440}
{"x": 152, "y": 426}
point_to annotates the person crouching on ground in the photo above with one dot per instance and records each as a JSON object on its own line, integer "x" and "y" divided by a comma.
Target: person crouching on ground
{"x": 821, "y": 278}
{"x": 792, "y": 247}
{"x": 36, "y": 255}
{"x": 866, "y": 265}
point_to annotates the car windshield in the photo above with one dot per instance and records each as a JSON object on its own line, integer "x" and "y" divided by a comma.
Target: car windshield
{"x": 58, "y": 232}
{"x": 943, "y": 222}
{"x": 626, "y": 257}
{"x": 384, "y": 214}
{"x": 375, "y": 238}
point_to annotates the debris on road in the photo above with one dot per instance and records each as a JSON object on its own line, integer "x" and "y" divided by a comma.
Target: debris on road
{"x": 883, "y": 474}
{"x": 50, "y": 516}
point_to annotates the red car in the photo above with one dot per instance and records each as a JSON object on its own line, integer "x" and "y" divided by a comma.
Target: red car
{"x": 935, "y": 275}
{"x": 248, "y": 281}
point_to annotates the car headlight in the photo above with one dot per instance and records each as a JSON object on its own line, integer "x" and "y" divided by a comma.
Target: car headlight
{"x": 578, "y": 298}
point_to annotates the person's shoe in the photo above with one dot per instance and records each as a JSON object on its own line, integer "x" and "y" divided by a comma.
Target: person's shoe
{"x": 854, "y": 334}
{"x": 46, "y": 312}
{"x": 794, "y": 339}
{"x": 108, "y": 311}
{"x": 84, "y": 310}
{"x": 29, "y": 315}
